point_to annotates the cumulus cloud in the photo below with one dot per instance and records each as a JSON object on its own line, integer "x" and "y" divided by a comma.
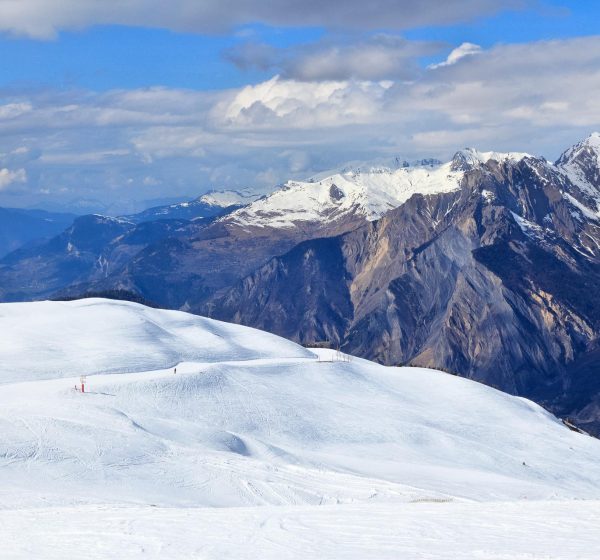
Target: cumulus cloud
{"x": 42, "y": 19}
{"x": 9, "y": 178}
{"x": 302, "y": 104}
{"x": 522, "y": 84}
{"x": 536, "y": 97}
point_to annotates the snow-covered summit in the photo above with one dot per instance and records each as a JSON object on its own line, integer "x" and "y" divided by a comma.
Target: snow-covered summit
{"x": 581, "y": 165}
{"x": 208, "y": 205}
{"x": 469, "y": 157}
{"x": 590, "y": 146}
{"x": 226, "y": 198}
{"x": 65, "y": 338}
{"x": 367, "y": 192}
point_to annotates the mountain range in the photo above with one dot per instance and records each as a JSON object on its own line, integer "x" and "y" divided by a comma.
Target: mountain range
{"x": 19, "y": 227}
{"x": 487, "y": 266}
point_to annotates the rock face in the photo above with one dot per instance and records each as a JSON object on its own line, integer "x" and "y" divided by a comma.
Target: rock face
{"x": 497, "y": 282}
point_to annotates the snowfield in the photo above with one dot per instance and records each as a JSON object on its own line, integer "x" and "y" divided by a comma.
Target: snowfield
{"x": 259, "y": 448}
{"x": 419, "y": 531}
{"x": 360, "y": 190}
{"x": 369, "y": 193}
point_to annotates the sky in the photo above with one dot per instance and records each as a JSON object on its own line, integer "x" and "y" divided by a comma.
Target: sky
{"x": 116, "y": 104}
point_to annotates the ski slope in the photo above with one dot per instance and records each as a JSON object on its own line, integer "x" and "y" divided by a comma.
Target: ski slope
{"x": 417, "y": 531}
{"x": 286, "y": 436}
{"x": 47, "y": 340}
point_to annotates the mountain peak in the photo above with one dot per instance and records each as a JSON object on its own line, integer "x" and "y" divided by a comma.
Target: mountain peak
{"x": 593, "y": 140}
{"x": 589, "y": 146}
{"x": 367, "y": 193}
{"x": 581, "y": 163}
{"x": 469, "y": 157}
{"x": 225, "y": 198}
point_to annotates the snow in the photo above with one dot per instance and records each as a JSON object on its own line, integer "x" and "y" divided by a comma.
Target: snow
{"x": 115, "y": 336}
{"x": 475, "y": 157}
{"x": 369, "y": 191}
{"x": 226, "y": 198}
{"x": 365, "y": 190}
{"x": 418, "y": 531}
{"x": 258, "y": 447}
{"x": 589, "y": 144}
{"x": 573, "y": 164}
{"x": 530, "y": 229}
{"x": 112, "y": 219}
{"x": 370, "y": 194}
{"x": 488, "y": 196}
{"x": 582, "y": 208}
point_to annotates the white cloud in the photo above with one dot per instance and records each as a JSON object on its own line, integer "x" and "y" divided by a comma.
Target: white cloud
{"x": 297, "y": 104}
{"x": 13, "y": 110}
{"x": 82, "y": 158}
{"x": 43, "y": 19}
{"x": 178, "y": 141}
{"x": 8, "y": 177}
{"x": 460, "y": 52}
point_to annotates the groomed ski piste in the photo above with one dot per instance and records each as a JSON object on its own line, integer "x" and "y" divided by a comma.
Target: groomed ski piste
{"x": 259, "y": 448}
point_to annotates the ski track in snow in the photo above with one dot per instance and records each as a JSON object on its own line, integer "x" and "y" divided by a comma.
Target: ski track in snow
{"x": 260, "y": 450}
{"x": 418, "y": 531}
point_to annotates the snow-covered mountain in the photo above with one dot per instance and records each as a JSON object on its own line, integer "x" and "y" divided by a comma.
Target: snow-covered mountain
{"x": 227, "y": 198}
{"x": 368, "y": 193}
{"x": 211, "y": 204}
{"x": 250, "y": 419}
{"x": 371, "y": 191}
{"x": 581, "y": 165}
{"x": 360, "y": 190}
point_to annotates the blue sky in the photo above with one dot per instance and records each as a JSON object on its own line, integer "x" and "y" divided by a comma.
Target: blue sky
{"x": 107, "y": 57}
{"x": 122, "y": 102}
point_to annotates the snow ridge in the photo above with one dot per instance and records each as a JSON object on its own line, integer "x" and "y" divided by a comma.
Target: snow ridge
{"x": 225, "y": 198}
{"x": 366, "y": 193}
{"x": 364, "y": 190}
{"x": 581, "y": 165}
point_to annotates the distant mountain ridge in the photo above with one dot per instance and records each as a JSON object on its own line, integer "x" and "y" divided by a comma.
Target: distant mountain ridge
{"x": 19, "y": 227}
{"x": 208, "y": 205}
{"x": 367, "y": 194}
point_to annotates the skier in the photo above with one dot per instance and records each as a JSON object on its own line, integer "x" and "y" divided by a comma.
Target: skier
{"x": 174, "y": 371}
